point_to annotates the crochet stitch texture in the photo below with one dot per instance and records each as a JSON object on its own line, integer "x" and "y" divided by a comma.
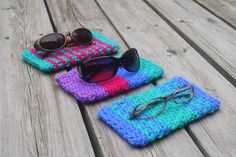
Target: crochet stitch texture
{"x": 140, "y": 132}
{"x": 123, "y": 81}
{"x": 69, "y": 56}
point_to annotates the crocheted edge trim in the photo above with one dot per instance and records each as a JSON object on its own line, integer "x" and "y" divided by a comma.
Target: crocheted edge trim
{"x": 37, "y": 62}
{"x": 159, "y": 69}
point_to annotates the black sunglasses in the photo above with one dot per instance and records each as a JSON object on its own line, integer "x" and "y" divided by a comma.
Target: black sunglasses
{"x": 179, "y": 96}
{"x": 104, "y": 68}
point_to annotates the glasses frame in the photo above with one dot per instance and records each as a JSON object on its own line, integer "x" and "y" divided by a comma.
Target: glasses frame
{"x": 69, "y": 40}
{"x": 153, "y": 102}
{"x": 116, "y": 64}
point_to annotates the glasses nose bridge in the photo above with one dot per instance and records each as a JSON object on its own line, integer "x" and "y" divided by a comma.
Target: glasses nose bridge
{"x": 123, "y": 65}
{"x": 67, "y": 34}
{"x": 117, "y": 62}
{"x": 121, "y": 62}
{"x": 167, "y": 97}
{"x": 68, "y": 37}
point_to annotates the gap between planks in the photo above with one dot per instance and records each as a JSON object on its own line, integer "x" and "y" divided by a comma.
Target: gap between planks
{"x": 154, "y": 83}
{"x": 86, "y": 117}
{"x": 197, "y": 71}
{"x": 50, "y": 16}
{"x": 37, "y": 123}
{"x": 224, "y": 19}
{"x": 92, "y": 137}
{"x": 198, "y": 49}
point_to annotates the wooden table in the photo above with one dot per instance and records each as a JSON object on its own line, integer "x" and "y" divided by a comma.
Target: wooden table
{"x": 192, "y": 38}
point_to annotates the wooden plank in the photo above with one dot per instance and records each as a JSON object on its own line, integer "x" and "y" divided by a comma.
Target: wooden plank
{"x": 224, "y": 9}
{"x": 36, "y": 117}
{"x": 106, "y": 142}
{"x": 142, "y": 28}
{"x": 210, "y": 36}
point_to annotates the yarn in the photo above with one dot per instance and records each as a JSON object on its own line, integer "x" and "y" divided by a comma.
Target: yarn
{"x": 70, "y": 56}
{"x": 123, "y": 81}
{"x": 141, "y": 132}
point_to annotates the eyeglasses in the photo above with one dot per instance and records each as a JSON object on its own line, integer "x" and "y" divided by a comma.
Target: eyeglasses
{"x": 55, "y": 41}
{"x": 104, "y": 68}
{"x": 180, "y": 96}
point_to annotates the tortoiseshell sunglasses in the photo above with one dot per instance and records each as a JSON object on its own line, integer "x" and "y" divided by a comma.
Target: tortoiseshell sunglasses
{"x": 55, "y": 41}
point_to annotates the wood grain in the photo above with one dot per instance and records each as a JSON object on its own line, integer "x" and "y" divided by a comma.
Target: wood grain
{"x": 209, "y": 35}
{"x": 147, "y": 32}
{"x": 106, "y": 142}
{"x": 224, "y": 9}
{"x": 37, "y": 119}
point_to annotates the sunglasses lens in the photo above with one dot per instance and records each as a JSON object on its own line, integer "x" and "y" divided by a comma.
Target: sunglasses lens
{"x": 52, "y": 41}
{"x": 130, "y": 60}
{"x": 99, "y": 70}
{"x": 82, "y": 35}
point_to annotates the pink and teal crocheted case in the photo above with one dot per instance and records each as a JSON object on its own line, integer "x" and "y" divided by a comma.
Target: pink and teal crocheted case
{"x": 141, "y": 132}
{"x": 69, "y": 56}
{"x": 123, "y": 81}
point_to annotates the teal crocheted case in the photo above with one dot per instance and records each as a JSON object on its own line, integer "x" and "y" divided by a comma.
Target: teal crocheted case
{"x": 140, "y": 132}
{"x": 70, "y": 56}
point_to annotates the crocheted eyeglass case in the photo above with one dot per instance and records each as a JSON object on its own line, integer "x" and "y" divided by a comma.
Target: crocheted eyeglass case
{"x": 69, "y": 56}
{"x": 123, "y": 81}
{"x": 141, "y": 132}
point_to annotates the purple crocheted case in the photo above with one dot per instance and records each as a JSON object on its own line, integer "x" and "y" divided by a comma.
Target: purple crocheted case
{"x": 141, "y": 132}
{"x": 123, "y": 81}
{"x": 70, "y": 56}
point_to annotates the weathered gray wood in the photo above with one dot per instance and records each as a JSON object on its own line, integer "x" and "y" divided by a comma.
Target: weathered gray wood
{"x": 142, "y": 28}
{"x": 208, "y": 34}
{"x": 224, "y": 9}
{"x": 68, "y": 15}
{"x": 36, "y": 117}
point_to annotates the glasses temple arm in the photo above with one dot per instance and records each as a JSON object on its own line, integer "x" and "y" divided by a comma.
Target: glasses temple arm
{"x": 136, "y": 111}
{"x": 185, "y": 88}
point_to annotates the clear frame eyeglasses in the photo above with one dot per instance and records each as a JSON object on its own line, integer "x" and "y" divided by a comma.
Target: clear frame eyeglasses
{"x": 179, "y": 96}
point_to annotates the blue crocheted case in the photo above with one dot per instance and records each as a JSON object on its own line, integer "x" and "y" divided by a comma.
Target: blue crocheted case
{"x": 140, "y": 132}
